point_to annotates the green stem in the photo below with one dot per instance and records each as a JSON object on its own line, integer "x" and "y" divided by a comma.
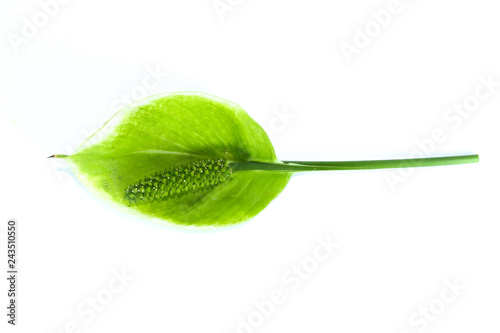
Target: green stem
{"x": 355, "y": 165}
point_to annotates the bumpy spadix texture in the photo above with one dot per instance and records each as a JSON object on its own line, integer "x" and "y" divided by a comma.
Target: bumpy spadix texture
{"x": 173, "y": 132}
{"x": 181, "y": 180}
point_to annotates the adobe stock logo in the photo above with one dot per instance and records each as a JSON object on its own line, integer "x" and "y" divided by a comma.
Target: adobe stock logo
{"x": 453, "y": 119}
{"x": 421, "y": 319}
{"x": 281, "y": 118}
{"x": 224, "y": 6}
{"x": 363, "y": 36}
{"x": 31, "y": 27}
{"x": 95, "y": 305}
{"x": 293, "y": 278}
{"x": 151, "y": 80}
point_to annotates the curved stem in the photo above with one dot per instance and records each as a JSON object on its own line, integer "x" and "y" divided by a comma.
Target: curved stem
{"x": 354, "y": 165}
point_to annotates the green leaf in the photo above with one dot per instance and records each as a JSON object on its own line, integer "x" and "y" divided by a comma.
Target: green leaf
{"x": 166, "y": 131}
{"x": 196, "y": 161}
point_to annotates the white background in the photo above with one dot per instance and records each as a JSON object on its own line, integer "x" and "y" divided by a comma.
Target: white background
{"x": 398, "y": 246}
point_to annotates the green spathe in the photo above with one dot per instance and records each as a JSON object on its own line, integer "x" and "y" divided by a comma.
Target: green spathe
{"x": 195, "y": 161}
{"x": 164, "y": 131}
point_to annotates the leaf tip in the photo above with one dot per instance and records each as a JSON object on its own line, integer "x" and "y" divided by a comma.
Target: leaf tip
{"x": 58, "y": 156}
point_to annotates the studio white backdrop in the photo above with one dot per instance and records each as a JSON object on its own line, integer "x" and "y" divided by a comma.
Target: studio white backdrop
{"x": 378, "y": 251}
